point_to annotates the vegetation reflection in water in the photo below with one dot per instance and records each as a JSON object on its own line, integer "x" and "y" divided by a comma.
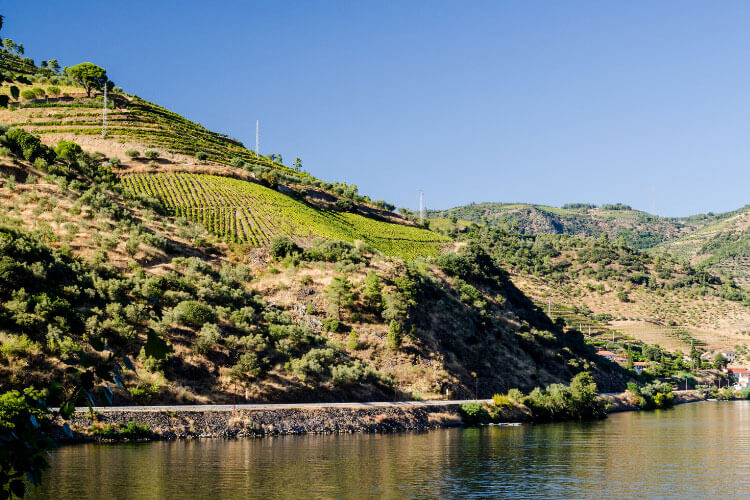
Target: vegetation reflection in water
{"x": 691, "y": 451}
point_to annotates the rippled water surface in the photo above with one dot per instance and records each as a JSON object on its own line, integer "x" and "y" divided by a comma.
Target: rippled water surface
{"x": 699, "y": 450}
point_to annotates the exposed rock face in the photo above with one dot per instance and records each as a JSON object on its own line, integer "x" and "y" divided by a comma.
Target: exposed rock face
{"x": 256, "y": 423}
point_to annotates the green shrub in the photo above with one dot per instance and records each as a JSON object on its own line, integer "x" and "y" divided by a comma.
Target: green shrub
{"x": 132, "y": 153}
{"x": 237, "y": 162}
{"x": 348, "y": 374}
{"x": 201, "y": 155}
{"x": 473, "y": 413}
{"x": 193, "y": 314}
{"x": 282, "y": 246}
{"x": 394, "y": 337}
{"x": 247, "y": 367}
{"x": 143, "y": 393}
{"x": 131, "y": 430}
{"x": 314, "y": 362}
{"x": 16, "y": 346}
{"x": 151, "y": 154}
{"x": 28, "y": 95}
{"x": 331, "y": 325}
{"x": 502, "y": 401}
{"x": 353, "y": 342}
{"x": 515, "y": 395}
{"x": 207, "y": 338}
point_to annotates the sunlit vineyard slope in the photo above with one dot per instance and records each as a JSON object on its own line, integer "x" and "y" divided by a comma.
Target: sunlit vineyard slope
{"x": 246, "y": 212}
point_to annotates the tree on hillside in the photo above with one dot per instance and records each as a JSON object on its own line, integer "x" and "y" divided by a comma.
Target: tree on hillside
{"x": 339, "y": 294}
{"x": 14, "y": 92}
{"x": 54, "y": 65}
{"x": 10, "y": 46}
{"x": 1, "y": 21}
{"x": 90, "y": 76}
{"x": 278, "y": 159}
{"x": 68, "y": 151}
{"x": 372, "y": 293}
{"x": 298, "y": 164}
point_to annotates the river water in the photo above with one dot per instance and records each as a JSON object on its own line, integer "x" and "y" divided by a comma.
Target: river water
{"x": 699, "y": 450}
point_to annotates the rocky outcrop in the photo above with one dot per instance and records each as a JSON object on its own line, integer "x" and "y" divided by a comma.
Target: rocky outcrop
{"x": 183, "y": 424}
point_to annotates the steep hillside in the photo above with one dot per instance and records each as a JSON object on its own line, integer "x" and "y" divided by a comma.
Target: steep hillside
{"x": 654, "y": 298}
{"x": 722, "y": 246}
{"x": 247, "y": 212}
{"x": 85, "y": 268}
{"x": 639, "y": 229}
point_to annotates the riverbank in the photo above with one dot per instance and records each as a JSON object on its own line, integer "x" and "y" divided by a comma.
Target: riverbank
{"x": 625, "y": 401}
{"x": 235, "y": 423}
{"x": 228, "y": 422}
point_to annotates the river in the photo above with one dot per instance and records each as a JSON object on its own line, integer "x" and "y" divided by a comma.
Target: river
{"x": 699, "y": 450}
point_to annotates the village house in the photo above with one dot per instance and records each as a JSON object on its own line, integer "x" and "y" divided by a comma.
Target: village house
{"x": 607, "y": 355}
{"x": 742, "y": 375}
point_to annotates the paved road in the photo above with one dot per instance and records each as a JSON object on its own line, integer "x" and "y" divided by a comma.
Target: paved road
{"x": 280, "y": 406}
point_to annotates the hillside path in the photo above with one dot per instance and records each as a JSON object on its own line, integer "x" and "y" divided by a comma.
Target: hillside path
{"x": 280, "y": 406}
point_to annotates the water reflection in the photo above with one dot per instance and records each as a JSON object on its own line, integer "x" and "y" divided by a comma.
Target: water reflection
{"x": 697, "y": 450}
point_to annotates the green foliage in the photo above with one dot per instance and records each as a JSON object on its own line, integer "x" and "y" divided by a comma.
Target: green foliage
{"x": 579, "y": 401}
{"x": 340, "y": 295}
{"x": 502, "y": 401}
{"x": 473, "y": 413}
{"x": 332, "y": 324}
{"x": 207, "y": 338}
{"x": 282, "y": 246}
{"x": 27, "y": 145}
{"x": 395, "y": 335}
{"x": 130, "y": 430}
{"x": 24, "y": 418}
{"x": 28, "y": 95}
{"x": 372, "y": 294}
{"x": 258, "y": 215}
{"x": 132, "y": 153}
{"x": 201, "y": 155}
{"x": 353, "y": 341}
{"x": 151, "y": 155}
{"x": 90, "y": 76}
{"x": 68, "y": 151}
{"x": 193, "y": 314}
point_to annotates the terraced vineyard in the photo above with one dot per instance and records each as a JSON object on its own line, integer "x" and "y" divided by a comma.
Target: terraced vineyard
{"x": 246, "y": 212}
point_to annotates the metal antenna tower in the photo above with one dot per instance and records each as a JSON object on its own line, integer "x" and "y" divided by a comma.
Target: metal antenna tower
{"x": 257, "y": 137}
{"x": 104, "y": 113}
{"x": 421, "y": 207}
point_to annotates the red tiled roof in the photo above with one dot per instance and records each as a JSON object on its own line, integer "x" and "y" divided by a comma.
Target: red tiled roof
{"x": 640, "y": 363}
{"x": 605, "y": 353}
{"x": 739, "y": 371}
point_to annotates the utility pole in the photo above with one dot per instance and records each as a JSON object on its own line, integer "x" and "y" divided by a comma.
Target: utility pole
{"x": 421, "y": 207}
{"x": 257, "y": 137}
{"x": 104, "y": 113}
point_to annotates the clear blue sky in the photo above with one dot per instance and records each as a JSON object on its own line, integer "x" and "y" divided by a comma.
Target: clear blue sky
{"x": 645, "y": 103}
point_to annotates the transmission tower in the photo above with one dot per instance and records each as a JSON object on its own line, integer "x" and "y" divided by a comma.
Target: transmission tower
{"x": 421, "y": 207}
{"x": 257, "y": 137}
{"x": 104, "y": 113}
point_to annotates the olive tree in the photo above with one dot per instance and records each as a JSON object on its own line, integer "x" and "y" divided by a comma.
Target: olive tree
{"x": 90, "y": 76}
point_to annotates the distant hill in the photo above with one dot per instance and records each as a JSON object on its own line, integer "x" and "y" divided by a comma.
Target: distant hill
{"x": 640, "y": 229}
{"x": 722, "y": 246}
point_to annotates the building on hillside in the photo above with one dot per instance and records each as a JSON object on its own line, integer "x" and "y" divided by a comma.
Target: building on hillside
{"x": 607, "y": 355}
{"x": 620, "y": 360}
{"x": 639, "y": 366}
{"x": 742, "y": 375}
{"x": 730, "y": 356}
